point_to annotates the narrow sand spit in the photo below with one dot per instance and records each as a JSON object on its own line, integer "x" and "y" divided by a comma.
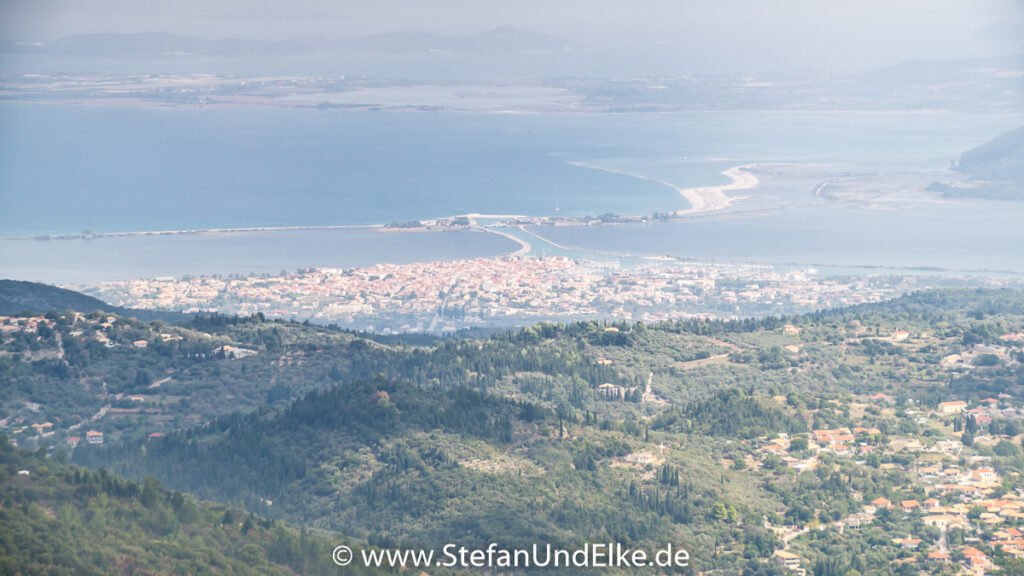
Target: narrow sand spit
{"x": 707, "y": 198}
{"x": 704, "y": 198}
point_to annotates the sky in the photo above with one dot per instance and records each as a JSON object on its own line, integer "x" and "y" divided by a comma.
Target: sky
{"x": 739, "y": 34}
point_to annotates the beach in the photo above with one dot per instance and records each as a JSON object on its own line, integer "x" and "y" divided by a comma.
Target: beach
{"x": 703, "y": 198}
{"x": 708, "y": 198}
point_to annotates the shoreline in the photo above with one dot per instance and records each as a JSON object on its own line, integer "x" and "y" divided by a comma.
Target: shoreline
{"x": 708, "y": 198}
{"x": 702, "y": 199}
{"x": 524, "y": 246}
{"x": 182, "y": 232}
{"x": 598, "y": 252}
{"x": 431, "y": 225}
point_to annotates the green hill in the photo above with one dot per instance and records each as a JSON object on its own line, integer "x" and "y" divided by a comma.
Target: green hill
{"x": 57, "y": 519}
{"x": 694, "y": 432}
{"x": 17, "y": 296}
{"x": 401, "y": 466}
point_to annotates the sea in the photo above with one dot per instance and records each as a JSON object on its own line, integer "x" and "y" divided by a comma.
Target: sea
{"x": 76, "y": 169}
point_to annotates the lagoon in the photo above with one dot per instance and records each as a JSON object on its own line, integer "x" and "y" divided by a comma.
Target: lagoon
{"x": 65, "y": 169}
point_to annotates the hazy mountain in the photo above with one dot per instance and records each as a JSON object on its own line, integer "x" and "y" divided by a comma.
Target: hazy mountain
{"x": 945, "y": 70}
{"x": 996, "y": 169}
{"x": 512, "y": 39}
{"x": 151, "y": 44}
{"x": 412, "y": 41}
{"x": 501, "y": 39}
{"x": 983, "y": 84}
{"x": 999, "y": 159}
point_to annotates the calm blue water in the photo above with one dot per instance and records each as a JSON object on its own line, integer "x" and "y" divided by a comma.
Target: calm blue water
{"x": 975, "y": 235}
{"x": 77, "y": 261}
{"x": 64, "y": 169}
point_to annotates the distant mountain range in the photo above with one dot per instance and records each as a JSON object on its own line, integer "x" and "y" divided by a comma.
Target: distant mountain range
{"x": 501, "y": 39}
{"x": 977, "y": 84}
{"x": 17, "y": 296}
{"x": 931, "y": 71}
{"x": 504, "y": 39}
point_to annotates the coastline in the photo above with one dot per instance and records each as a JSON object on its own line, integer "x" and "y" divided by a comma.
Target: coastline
{"x": 708, "y": 198}
{"x": 701, "y": 198}
{"x": 185, "y": 231}
{"x": 434, "y": 224}
{"x": 168, "y": 255}
{"x": 524, "y": 246}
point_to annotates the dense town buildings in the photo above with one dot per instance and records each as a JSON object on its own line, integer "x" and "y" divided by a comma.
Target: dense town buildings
{"x": 446, "y": 296}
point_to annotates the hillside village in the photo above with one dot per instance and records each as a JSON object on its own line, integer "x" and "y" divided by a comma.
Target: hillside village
{"x": 953, "y": 487}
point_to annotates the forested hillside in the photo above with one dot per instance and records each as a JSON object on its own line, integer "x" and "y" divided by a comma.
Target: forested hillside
{"x": 736, "y": 439}
{"x": 58, "y": 519}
